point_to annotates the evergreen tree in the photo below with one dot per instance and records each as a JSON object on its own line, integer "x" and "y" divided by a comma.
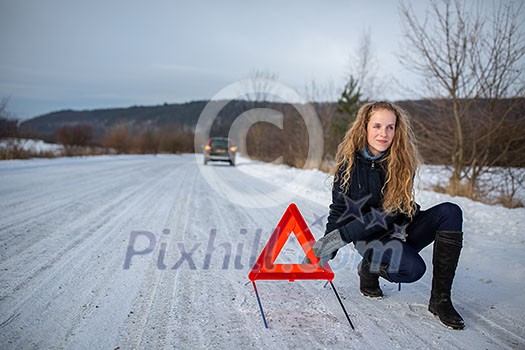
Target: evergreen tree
{"x": 347, "y": 105}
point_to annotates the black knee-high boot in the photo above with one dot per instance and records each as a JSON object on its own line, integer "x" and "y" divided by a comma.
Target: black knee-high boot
{"x": 447, "y": 248}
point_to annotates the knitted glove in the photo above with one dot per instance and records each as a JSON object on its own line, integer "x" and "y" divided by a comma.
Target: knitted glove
{"x": 327, "y": 245}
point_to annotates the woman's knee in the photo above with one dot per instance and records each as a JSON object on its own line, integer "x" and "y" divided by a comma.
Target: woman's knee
{"x": 413, "y": 274}
{"x": 409, "y": 271}
{"x": 451, "y": 210}
{"x": 450, "y": 217}
{"x": 416, "y": 272}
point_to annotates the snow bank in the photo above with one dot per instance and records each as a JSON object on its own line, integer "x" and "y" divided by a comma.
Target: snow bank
{"x": 32, "y": 146}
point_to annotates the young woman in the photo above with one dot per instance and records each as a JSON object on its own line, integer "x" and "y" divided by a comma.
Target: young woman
{"x": 373, "y": 207}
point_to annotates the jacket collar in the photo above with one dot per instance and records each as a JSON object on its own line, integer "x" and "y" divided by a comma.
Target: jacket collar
{"x": 368, "y": 155}
{"x": 364, "y": 158}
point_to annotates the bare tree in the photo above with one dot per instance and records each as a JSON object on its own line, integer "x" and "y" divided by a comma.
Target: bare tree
{"x": 259, "y": 88}
{"x": 508, "y": 189}
{"x": 470, "y": 62}
{"x": 498, "y": 67}
{"x": 148, "y": 140}
{"x": 321, "y": 98}
{"x": 3, "y": 107}
{"x": 364, "y": 68}
{"x": 8, "y": 126}
{"x": 259, "y": 85}
{"x": 362, "y": 84}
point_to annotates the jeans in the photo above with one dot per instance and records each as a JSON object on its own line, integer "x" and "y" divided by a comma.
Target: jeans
{"x": 401, "y": 259}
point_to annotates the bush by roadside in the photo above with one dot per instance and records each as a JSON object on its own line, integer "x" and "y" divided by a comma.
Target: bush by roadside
{"x": 14, "y": 148}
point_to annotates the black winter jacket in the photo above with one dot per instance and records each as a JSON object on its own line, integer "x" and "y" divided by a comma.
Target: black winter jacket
{"x": 359, "y": 216}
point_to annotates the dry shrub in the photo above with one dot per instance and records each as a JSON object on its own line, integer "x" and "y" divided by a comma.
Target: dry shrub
{"x": 119, "y": 138}
{"x": 174, "y": 139}
{"x": 147, "y": 141}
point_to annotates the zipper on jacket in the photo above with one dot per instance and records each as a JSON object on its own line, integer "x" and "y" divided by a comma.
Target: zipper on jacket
{"x": 373, "y": 164}
{"x": 358, "y": 176}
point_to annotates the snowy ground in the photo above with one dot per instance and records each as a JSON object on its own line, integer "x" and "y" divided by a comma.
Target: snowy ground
{"x": 150, "y": 252}
{"x": 33, "y": 146}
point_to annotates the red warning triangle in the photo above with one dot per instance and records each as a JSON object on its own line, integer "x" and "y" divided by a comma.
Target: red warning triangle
{"x": 265, "y": 267}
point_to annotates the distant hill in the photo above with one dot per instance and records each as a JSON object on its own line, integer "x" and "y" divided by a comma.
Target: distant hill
{"x": 185, "y": 115}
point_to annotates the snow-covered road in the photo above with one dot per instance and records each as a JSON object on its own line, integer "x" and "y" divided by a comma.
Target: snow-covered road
{"x": 153, "y": 252}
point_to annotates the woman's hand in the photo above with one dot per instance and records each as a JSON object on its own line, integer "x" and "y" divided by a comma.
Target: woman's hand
{"x": 327, "y": 245}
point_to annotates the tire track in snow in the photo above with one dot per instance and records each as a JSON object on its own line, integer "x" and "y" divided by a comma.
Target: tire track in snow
{"x": 227, "y": 329}
{"x": 59, "y": 265}
{"x": 148, "y": 327}
{"x": 146, "y": 204}
{"x": 100, "y": 215}
{"x": 45, "y": 202}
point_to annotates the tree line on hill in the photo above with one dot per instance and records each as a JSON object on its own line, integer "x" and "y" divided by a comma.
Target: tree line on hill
{"x": 142, "y": 130}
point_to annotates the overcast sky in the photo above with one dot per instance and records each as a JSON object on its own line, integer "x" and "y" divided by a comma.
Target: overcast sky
{"x": 67, "y": 54}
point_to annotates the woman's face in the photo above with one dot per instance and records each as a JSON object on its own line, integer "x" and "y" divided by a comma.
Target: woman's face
{"x": 380, "y": 130}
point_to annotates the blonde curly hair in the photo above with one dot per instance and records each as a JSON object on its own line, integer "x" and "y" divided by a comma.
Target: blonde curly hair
{"x": 401, "y": 161}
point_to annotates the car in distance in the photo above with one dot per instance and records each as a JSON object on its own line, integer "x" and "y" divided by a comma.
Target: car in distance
{"x": 220, "y": 149}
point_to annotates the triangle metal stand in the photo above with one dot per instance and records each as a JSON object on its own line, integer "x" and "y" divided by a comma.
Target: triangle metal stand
{"x": 333, "y": 288}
